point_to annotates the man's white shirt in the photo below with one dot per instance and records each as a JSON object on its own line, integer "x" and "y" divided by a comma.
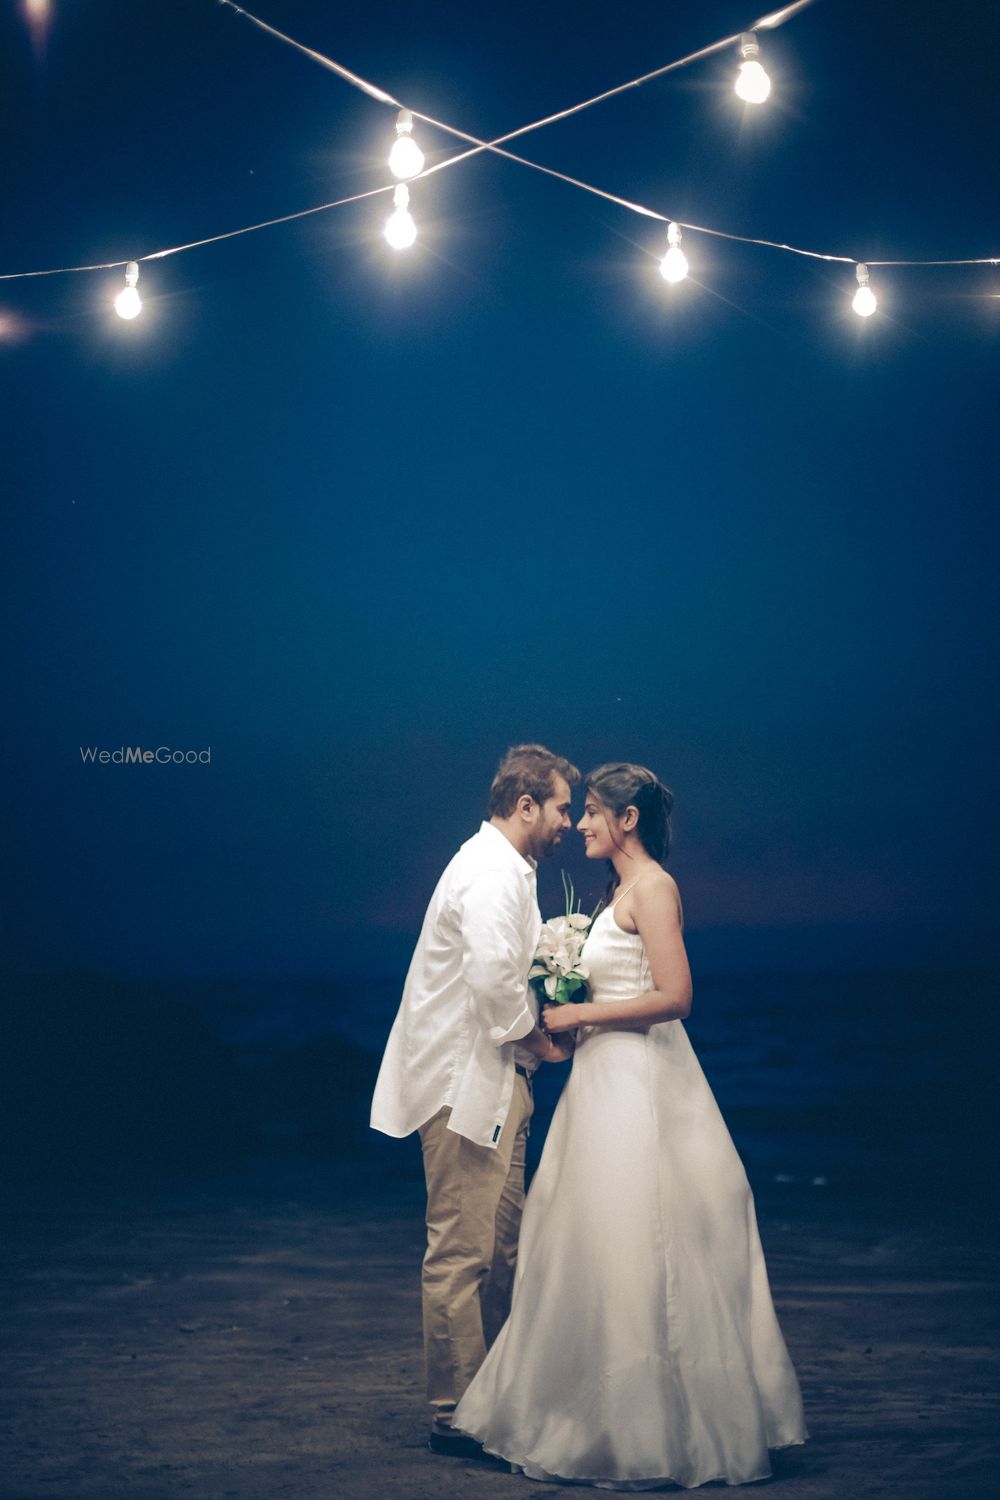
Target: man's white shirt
{"x": 467, "y": 1000}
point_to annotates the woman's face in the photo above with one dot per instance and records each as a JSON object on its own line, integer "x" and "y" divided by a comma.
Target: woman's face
{"x": 597, "y": 826}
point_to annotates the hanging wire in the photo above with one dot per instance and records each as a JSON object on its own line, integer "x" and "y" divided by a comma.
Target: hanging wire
{"x": 496, "y": 146}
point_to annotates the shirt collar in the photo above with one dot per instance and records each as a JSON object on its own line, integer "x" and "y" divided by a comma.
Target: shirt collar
{"x": 526, "y": 865}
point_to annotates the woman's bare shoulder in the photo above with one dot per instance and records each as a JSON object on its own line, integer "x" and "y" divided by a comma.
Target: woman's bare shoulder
{"x": 657, "y": 884}
{"x": 656, "y": 892}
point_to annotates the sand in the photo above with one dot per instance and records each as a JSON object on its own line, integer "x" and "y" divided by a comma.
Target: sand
{"x": 258, "y": 1336}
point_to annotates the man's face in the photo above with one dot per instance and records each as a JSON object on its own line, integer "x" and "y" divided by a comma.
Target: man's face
{"x": 552, "y": 820}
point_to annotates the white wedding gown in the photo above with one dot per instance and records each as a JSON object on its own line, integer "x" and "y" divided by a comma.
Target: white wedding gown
{"x": 642, "y": 1345}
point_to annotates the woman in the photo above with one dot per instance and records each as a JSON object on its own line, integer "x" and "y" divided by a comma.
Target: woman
{"x": 642, "y": 1345}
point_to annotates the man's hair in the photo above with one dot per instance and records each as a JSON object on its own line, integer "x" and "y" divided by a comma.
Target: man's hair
{"x": 527, "y": 771}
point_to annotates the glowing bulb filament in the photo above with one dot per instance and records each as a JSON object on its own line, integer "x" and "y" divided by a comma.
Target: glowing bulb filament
{"x": 400, "y": 229}
{"x": 128, "y": 303}
{"x": 674, "y": 265}
{"x": 864, "y": 303}
{"x": 406, "y": 158}
{"x": 752, "y": 83}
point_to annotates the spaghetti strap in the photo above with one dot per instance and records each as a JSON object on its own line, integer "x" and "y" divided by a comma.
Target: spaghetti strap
{"x": 624, "y": 893}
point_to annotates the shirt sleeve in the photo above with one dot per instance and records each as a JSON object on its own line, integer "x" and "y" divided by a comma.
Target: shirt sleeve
{"x": 493, "y": 940}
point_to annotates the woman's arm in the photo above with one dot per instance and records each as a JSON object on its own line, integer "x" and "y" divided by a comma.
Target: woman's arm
{"x": 654, "y": 908}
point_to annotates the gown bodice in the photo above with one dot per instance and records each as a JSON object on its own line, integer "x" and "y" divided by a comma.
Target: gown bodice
{"x": 616, "y": 961}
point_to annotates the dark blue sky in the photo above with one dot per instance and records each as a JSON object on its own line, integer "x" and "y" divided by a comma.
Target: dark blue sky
{"x": 359, "y": 520}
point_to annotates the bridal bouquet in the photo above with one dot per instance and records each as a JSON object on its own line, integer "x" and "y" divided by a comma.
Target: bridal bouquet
{"x": 557, "y": 973}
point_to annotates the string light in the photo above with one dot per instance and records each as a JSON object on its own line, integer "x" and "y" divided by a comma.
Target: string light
{"x": 400, "y": 229}
{"x": 128, "y": 303}
{"x": 406, "y": 158}
{"x": 864, "y": 303}
{"x": 674, "y": 265}
{"x": 752, "y": 83}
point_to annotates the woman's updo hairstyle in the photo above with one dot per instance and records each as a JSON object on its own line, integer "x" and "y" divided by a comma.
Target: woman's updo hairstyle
{"x": 621, "y": 785}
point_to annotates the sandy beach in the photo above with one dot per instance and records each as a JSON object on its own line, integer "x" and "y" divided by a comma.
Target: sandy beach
{"x": 257, "y": 1335}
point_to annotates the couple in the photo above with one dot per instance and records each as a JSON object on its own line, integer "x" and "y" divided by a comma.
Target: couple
{"x": 631, "y": 1341}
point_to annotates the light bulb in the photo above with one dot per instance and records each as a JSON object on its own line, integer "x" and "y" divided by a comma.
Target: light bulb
{"x": 400, "y": 229}
{"x": 128, "y": 303}
{"x": 674, "y": 265}
{"x": 752, "y": 83}
{"x": 406, "y": 158}
{"x": 864, "y": 303}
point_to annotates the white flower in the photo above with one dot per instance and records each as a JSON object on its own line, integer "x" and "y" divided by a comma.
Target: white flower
{"x": 560, "y": 944}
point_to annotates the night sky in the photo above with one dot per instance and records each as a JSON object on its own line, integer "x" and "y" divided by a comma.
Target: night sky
{"x": 358, "y": 520}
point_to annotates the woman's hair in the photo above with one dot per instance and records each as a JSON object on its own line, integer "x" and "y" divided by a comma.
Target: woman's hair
{"x": 527, "y": 770}
{"x": 620, "y": 785}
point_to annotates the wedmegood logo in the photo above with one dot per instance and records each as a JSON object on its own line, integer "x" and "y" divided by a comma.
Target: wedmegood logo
{"x": 134, "y": 755}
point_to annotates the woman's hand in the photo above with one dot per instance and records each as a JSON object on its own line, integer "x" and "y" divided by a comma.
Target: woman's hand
{"x": 556, "y": 1018}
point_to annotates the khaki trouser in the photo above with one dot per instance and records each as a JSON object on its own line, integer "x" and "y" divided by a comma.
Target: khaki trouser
{"x": 474, "y": 1199}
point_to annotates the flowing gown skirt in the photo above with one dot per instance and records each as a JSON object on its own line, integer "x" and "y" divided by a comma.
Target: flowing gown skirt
{"x": 642, "y": 1345}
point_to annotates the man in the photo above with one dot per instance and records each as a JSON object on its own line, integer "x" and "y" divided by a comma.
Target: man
{"x": 458, "y": 1065}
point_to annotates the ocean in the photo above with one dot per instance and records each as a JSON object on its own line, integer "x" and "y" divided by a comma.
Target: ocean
{"x": 857, "y": 1082}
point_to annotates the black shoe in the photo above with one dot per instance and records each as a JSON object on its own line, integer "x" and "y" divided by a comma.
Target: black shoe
{"x": 457, "y": 1445}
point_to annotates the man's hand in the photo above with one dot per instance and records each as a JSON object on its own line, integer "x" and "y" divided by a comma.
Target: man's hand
{"x": 560, "y": 1051}
{"x": 545, "y": 1049}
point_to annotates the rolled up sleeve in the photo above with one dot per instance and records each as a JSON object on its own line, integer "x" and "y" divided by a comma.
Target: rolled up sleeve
{"x": 493, "y": 955}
